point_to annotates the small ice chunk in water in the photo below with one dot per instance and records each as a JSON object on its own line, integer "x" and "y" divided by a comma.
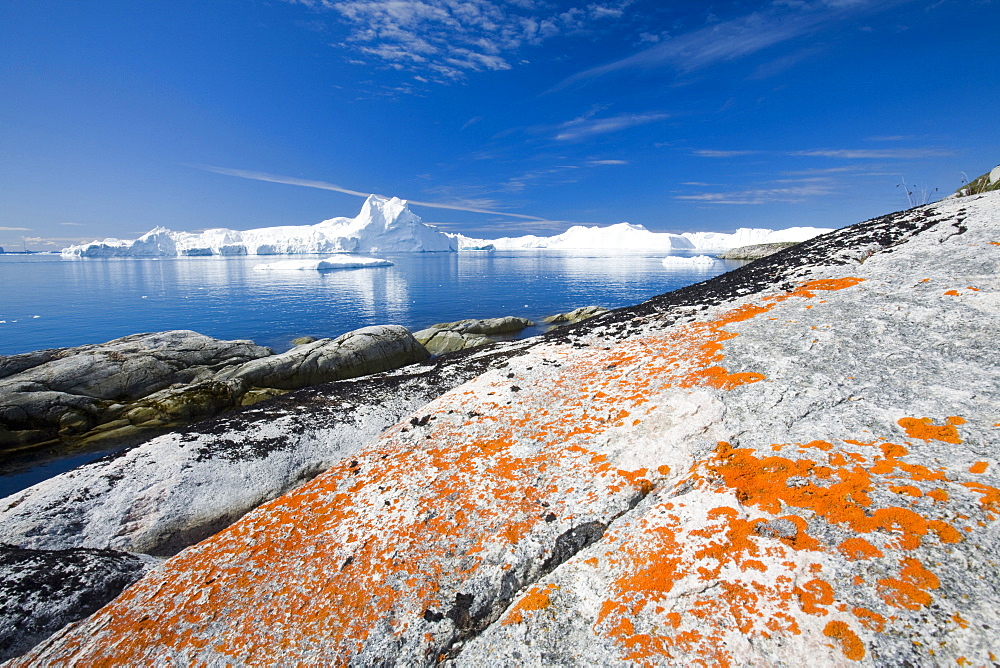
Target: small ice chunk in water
{"x": 698, "y": 261}
{"x": 334, "y": 262}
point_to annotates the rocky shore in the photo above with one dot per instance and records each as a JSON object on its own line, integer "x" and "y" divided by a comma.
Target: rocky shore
{"x": 792, "y": 462}
{"x": 130, "y": 389}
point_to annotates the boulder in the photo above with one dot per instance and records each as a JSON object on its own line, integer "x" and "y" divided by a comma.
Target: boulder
{"x": 576, "y": 315}
{"x": 361, "y": 352}
{"x": 451, "y": 336}
{"x": 148, "y": 382}
{"x": 63, "y": 393}
{"x": 754, "y": 252}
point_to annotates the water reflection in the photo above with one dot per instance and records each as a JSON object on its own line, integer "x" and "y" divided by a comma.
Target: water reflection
{"x": 95, "y": 300}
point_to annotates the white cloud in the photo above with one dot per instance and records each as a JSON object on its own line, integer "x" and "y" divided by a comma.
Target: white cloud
{"x": 877, "y": 154}
{"x": 598, "y": 163}
{"x": 14, "y": 229}
{"x": 322, "y": 185}
{"x": 760, "y": 195}
{"x": 709, "y": 153}
{"x": 588, "y": 126}
{"x": 776, "y": 23}
{"x": 443, "y": 40}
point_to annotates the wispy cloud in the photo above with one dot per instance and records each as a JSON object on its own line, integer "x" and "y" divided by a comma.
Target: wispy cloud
{"x": 323, "y": 185}
{"x": 894, "y": 138}
{"x": 55, "y": 242}
{"x": 73, "y": 224}
{"x": 599, "y": 163}
{"x": 710, "y": 153}
{"x": 443, "y": 40}
{"x": 778, "y": 22}
{"x": 14, "y": 229}
{"x": 587, "y": 126}
{"x": 877, "y": 154}
{"x": 761, "y": 195}
{"x": 472, "y": 121}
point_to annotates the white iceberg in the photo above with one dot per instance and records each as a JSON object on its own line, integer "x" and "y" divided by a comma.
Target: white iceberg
{"x": 625, "y": 236}
{"x": 696, "y": 262}
{"x": 333, "y": 262}
{"x": 384, "y": 225}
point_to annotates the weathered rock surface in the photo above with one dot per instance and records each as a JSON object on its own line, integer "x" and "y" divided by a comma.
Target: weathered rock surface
{"x": 794, "y": 462}
{"x": 576, "y": 315}
{"x": 42, "y": 591}
{"x": 754, "y": 252}
{"x": 115, "y": 390}
{"x": 181, "y": 487}
{"x": 68, "y": 391}
{"x": 448, "y": 337}
{"x": 358, "y": 353}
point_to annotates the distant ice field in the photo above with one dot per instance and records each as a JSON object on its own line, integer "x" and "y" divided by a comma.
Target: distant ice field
{"x": 51, "y": 302}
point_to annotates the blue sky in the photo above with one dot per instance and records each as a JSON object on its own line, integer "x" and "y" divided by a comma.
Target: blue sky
{"x": 523, "y": 116}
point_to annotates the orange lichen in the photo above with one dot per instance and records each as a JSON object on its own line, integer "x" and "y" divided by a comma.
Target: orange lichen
{"x": 978, "y": 467}
{"x": 537, "y": 598}
{"x": 938, "y": 495}
{"x": 925, "y": 429}
{"x": 332, "y": 560}
{"x": 870, "y": 620}
{"x": 951, "y": 293}
{"x": 858, "y": 548}
{"x": 850, "y": 644}
{"x": 909, "y": 590}
{"x": 813, "y": 595}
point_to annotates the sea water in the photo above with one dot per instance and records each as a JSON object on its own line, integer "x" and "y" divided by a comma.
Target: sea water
{"x": 50, "y": 302}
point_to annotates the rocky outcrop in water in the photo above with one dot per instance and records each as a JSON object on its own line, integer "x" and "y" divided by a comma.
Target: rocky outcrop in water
{"x": 451, "y": 336}
{"x": 793, "y": 462}
{"x": 66, "y": 392}
{"x": 120, "y": 389}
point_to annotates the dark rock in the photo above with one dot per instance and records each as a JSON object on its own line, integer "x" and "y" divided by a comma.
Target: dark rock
{"x": 43, "y": 590}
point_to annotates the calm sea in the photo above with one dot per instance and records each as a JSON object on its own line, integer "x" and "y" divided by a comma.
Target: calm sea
{"x": 49, "y": 302}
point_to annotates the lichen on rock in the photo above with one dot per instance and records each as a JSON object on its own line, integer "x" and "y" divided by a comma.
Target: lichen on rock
{"x": 790, "y": 463}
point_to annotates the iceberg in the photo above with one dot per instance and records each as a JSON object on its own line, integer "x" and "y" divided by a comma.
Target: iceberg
{"x": 384, "y": 225}
{"x": 696, "y": 262}
{"x": 333, "y": 262}
{"x": 626, "y": 236}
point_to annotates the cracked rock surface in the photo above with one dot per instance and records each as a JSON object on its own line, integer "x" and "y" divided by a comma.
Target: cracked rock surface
{"x": 793, "y": 462}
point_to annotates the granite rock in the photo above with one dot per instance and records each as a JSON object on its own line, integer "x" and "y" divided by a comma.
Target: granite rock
{"x": 451, "y": 336}
{"x": 754, "y": 252}
{"x": 794, "y": 462}
{"x": 42, "y": 591}
{"x": 575, "y": 316}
